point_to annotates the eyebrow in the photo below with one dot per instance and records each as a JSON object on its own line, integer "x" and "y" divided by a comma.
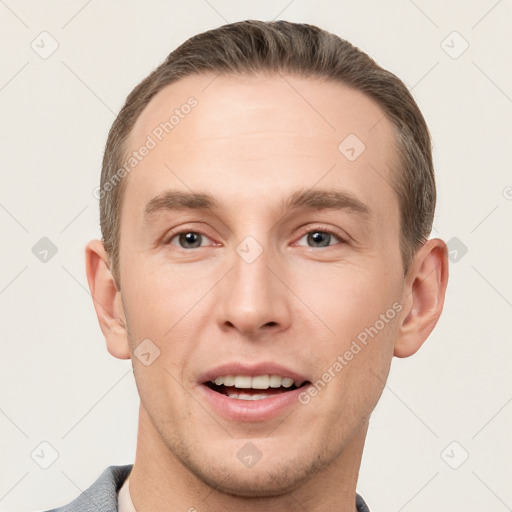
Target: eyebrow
{"x": 326, "y": 199}
{"x": 318, "y": 199}
{"x": 178, "y": 200}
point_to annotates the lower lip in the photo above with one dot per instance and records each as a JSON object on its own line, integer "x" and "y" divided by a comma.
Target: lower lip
{"x": 251, "y": 410}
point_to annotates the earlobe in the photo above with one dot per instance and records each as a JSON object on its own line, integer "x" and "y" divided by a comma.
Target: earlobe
{"x": 107, "y": 299}
{"x": 424, "y": 295}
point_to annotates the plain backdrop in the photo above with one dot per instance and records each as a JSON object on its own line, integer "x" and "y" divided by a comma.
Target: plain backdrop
{"x": 440, "y": 436}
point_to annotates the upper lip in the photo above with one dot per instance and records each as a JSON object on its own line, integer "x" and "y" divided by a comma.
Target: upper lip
{"x": 250, "y": 369}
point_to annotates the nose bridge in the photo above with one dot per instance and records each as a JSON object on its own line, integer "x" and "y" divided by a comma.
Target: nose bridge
{"x": 252, "y": 297}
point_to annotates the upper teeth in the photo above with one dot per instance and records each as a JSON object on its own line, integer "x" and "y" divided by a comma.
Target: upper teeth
{"x": 258, "y": 382}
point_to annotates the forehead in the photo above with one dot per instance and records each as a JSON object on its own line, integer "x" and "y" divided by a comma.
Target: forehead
{"x": 246, "y": 132}
{"x": 277, "y": 103}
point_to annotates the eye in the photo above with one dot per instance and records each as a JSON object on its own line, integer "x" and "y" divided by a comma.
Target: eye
{"x": 189, "y": 240}
{"x": 319, "y": 238}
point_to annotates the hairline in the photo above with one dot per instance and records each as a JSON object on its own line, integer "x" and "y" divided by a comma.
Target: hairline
{"x": 396, "y": 165}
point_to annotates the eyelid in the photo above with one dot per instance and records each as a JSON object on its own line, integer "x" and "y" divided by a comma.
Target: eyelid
{"x": 170, "y": 235}
{"x": 176, "y": 235}
{"x": 304, "y": 230}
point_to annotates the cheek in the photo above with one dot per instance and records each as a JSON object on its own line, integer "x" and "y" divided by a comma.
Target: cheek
{"x": 356, "y": 317}
{"x": 351, "y": 375}
{"x": 163, "y": 303}
{"x": 344, "y": 298}
{"x": 158, "y": 295}
{"x": 160, "y": 308}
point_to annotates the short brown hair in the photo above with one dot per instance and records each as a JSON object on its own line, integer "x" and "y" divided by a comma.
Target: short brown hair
{"x": 252, "y": 46}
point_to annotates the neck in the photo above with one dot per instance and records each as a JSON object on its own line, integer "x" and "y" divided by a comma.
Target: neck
{"x": 160, "y": 482}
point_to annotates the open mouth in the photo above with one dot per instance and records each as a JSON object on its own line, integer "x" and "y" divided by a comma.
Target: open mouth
{"x": 244, "y": 387}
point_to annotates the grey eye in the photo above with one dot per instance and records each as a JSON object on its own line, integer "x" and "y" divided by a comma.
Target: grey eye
{"x": 319, "y": 239}
{"x": 189, "y": 240}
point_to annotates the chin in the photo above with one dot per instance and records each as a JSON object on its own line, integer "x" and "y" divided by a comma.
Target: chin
{"x": 276, "y": 475}
{"x": 252, "y": 483}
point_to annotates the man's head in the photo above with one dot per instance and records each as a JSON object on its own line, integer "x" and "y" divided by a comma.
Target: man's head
{"x": 256, "y": 47}
{"x": 276, "y": 228}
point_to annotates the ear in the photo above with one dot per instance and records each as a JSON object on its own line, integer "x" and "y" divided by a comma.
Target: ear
{"x": 107, "y": 299}
{"x": 425, "y": 287}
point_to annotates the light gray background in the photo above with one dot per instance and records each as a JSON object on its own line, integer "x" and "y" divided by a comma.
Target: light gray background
{"x": 59, "y": 384}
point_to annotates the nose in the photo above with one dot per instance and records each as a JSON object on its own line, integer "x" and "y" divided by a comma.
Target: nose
{"x": 253, "y": 300}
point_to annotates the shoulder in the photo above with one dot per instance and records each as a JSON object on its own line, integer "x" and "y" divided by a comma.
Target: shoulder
{"x": 361, "y": 505}
{"x": 101, "y": 496}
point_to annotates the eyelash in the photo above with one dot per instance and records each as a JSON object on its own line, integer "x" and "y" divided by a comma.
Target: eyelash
{"x": 314, "y": 229}
{"x": 184, "y": 232}
{"x": 322, "y": 229}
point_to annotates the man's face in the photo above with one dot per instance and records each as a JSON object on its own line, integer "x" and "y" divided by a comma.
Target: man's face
{"x": 256, "y": 284}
